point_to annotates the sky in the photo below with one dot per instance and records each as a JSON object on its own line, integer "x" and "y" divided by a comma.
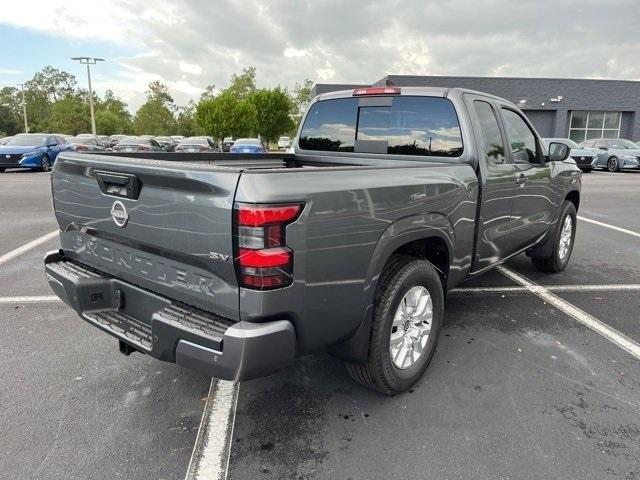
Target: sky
{"x": 190, "y": 44}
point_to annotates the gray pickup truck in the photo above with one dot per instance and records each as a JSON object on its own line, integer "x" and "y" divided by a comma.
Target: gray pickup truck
{"x": 233, "y": 265}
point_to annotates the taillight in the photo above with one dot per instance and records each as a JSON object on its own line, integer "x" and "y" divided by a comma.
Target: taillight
{"x": 264, "y": 261}
{"x": 376, "y": 91}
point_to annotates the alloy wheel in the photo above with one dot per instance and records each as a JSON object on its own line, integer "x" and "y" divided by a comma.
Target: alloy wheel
{"x": 566, "y": 235}
{"x": 411, "y": 327}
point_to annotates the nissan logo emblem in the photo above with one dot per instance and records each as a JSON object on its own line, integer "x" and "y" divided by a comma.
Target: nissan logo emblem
{"x": 119, "y": 213}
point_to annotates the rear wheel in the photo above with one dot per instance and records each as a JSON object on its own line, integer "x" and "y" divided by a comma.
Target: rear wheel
{"x": 406, "y": 324}
{"x": 563, "y": 238}
{"x": 44, "y": 164}
{"x": 612, "y": 164}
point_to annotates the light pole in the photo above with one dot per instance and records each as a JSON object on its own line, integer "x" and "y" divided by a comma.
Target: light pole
{"x": 24, "y": 109}
{"x": 90, "y": 61}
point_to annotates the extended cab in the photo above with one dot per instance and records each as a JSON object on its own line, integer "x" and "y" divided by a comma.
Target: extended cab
{"x": 235, "y": 264}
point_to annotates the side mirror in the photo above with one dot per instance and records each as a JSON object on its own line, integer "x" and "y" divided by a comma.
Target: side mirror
{"x": 558, "y": 152}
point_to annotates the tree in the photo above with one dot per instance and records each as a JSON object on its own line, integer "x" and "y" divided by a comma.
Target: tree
{"x": 112, "y": 115}
{"x": 155, "y": 117}
{"x": 70, "y": 114}
{"x": 227, "y": 116}
{"x": 209, "y": 92}
{"x": 244, "y": 84}
{"x": 159, "y": 91}
{"x": 10, "y": 111}
{"x": 9, "y": 125}
{"x": 273, "y": 112}
{"x": 300, "y": 98}
{"x": 186, "y": 121}
{"x": 109, "y": 123}
{"x": 45, "y": 88}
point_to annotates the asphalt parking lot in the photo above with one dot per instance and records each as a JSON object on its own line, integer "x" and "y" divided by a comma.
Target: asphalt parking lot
{"x": 517, "y": 389}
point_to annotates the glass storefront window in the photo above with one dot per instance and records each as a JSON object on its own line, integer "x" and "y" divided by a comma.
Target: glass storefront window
{"x": 585, "y": 125}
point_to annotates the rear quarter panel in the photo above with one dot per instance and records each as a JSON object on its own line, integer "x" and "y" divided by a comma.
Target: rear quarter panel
{"x": 352, "y": 221}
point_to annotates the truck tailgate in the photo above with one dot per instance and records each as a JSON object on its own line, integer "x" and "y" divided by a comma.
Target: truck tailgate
{"x": 163, "y": 226}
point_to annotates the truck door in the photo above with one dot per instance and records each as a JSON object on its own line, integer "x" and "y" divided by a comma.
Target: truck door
{"x": 497, "y": 176}
{"x": 535, "y": 203}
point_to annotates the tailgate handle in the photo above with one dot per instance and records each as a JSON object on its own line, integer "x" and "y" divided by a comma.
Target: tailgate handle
{"x": 118, "y": 184}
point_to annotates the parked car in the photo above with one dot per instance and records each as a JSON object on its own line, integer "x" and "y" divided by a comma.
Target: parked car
{"x": 254, "y": 262}
{"x": 166, "y": 143}
{"x": 247, "y": 145}
{"x": 4, "y": 140}
{"x": 196, "y": 144}
{"x": 584, "y": 157}
{"x": 34, "y": 151}
{"x": 86, "y": 144}
{"x": 615, "y": 154}
{"x": 137, "y": 144}
{"x": 284, "y": 143}
{"x": 227, "y": 143}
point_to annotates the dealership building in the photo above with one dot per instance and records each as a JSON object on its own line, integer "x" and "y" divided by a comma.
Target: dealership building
{"x": 558, "y": 107}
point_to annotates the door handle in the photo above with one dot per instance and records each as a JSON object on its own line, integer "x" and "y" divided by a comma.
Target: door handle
{"x": 522, "y": 178}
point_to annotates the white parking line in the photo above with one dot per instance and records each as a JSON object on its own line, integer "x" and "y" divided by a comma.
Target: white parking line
{"x": 574, "y": 312}
{"x": 553, "y": 288}
{"x": 30, "y": 299}
{"x": 26, "y": 247}
{"x": 606, "y": 225}
{"x": 211, "y": 452}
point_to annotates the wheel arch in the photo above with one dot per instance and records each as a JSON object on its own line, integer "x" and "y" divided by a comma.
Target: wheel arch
{"x": 574, "y": 197}
{"x": 427, "y": 236}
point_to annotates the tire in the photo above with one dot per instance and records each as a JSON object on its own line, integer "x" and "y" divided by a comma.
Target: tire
{"x": 561, "y": 252}
{"x": 586, "y": 170}
{"x": 2, "y": 170}
{"x": 612, "y": 164}
{"x": 402, "y": 276}
{"x": 45, "y": 164}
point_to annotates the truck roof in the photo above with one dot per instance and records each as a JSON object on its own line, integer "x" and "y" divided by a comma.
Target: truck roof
{"x": 415, "y": 91}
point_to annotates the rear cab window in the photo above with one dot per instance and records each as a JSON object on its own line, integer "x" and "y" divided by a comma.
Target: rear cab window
{"x": 407, "y": 125}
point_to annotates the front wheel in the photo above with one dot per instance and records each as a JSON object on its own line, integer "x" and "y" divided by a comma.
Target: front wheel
{"x": 612, "y": 165}
{"x": 44, "y": 164}
{"x": 563, "y": 239}
{"x": 406, "y": 324}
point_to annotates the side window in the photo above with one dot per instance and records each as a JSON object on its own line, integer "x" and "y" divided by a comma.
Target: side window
{"x": 493, "y": 144}
{"x": 330, "y": 125}
{"x": 521, "y": 138}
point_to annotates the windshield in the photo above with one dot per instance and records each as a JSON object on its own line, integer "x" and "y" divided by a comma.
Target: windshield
{"x": 80, "y": 140}
{"x": 622, "y": 143}
{"x": 194, "y": 141}
{"x": 133, "y": 141}
{"x": 27, "y": 140}
{"x": 247, "y": 141}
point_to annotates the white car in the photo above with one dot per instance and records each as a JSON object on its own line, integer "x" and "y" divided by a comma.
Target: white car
{"x": 284, "y": 143}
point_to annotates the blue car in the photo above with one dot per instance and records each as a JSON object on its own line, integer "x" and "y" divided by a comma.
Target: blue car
{"x": 34, "y": 151}
{"x": 247, "y": 145}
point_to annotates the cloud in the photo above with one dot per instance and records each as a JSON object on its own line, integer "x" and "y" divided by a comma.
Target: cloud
{"x": 190, "y": 44}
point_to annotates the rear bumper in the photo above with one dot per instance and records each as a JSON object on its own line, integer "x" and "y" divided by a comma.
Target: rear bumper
{"x": 168, "y": 330}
